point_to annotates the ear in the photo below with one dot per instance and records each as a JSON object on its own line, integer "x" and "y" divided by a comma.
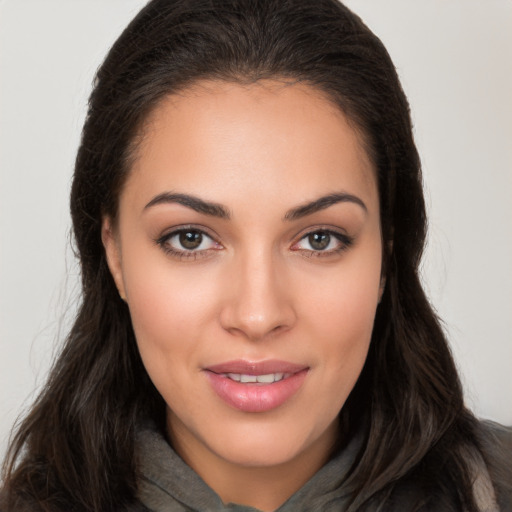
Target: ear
{"x": 113, "y": 254}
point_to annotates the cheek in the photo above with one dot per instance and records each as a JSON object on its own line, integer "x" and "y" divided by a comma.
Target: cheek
{"x": 341, "y": 317}
{"x": 163, "y": 313}
{"x": 344, "y": 306}
{"x": 349, "y": 315}
{"x": 169, "y": 310}
{"x": 345, "y": 342}
{"x": 346, "y": 333}
{"x": 166, "y": 324}
{"x": 165, "y": 297}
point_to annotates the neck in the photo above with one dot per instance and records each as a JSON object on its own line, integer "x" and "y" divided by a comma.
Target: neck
{"x": 261, "y": 487}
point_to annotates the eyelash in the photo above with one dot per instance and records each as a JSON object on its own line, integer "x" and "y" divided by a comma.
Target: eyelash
{"x": 344, "y": 242}
{"x": 184, "y": 254}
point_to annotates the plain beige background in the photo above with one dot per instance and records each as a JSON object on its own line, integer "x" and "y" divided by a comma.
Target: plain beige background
{"x": 454, "y": 58}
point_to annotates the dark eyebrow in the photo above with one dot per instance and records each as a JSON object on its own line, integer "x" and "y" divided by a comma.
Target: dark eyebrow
{"x": 199, "y": 205}
{"x": 322, "y": 203}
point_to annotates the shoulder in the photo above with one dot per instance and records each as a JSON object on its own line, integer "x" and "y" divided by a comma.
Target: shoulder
{"x": 493, "y": 435}
{"x": 496, "y": 445}
{"x": 28, "y": 505}
{"x": 430, "y": 488}
{"x": 135, "y": 507}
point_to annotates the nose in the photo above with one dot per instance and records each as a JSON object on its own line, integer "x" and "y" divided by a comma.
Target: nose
{"x": 258, "y": 302}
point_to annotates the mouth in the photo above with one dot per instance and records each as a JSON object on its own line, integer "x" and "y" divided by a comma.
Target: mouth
{"x": 256, "y": 387}
{"x": 268, "y": 378}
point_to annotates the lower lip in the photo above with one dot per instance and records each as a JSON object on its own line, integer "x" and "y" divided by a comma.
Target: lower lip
{"x": 253, "y": 397}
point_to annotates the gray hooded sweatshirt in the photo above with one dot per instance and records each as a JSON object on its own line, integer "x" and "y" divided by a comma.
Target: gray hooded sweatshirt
{"x": 168, "y": 484}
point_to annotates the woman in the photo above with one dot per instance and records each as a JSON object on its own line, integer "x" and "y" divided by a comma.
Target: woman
{"x": 248, "y": 211}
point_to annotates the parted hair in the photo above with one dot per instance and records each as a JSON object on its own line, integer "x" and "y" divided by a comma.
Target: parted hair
{"x": 74, "y": 450}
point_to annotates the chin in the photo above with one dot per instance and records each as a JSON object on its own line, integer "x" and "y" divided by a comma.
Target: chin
{"x": 265, "y": 444}
{"x": 261, "y": 453}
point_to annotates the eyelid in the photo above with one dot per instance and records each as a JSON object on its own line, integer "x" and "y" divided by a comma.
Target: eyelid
{"x": 184, "y": 254}
{"x": 340, "y": 234}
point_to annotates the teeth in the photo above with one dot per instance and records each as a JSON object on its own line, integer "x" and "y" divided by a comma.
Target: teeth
{"x": 261, "y": 379}
{"x": 266, "y": 379}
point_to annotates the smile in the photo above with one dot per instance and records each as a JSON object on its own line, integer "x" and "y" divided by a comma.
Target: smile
{"x": 256, "y": 387}
{"x": 269, "y": 378}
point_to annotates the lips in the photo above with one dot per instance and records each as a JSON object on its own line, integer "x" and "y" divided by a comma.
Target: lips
{"x": 256, "y": 368}
{"x": 256, "y": 387}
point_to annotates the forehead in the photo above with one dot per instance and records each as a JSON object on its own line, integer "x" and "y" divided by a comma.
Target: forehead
{"x": 267, "y": 138}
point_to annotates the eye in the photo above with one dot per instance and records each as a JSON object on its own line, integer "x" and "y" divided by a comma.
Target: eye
{"x": 323, "y": 241}
{"x": 187, "y": 242}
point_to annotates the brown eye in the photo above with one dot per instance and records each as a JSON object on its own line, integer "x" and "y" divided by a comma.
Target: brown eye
{"x": 319, "y": 240}
{"x": 190, "y": 239}
{"x": 187, "y": 243}
{"x": 323, "y": 242}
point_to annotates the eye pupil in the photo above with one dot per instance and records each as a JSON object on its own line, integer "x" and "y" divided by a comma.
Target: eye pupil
{"x": 190, "y": 239}
{"x": 319, "y": 240}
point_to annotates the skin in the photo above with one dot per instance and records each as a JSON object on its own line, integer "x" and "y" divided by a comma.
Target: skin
{"x": 256, "y": 288}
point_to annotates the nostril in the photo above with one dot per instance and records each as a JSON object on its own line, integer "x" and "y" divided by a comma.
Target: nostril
{"x": 257, "y": 326}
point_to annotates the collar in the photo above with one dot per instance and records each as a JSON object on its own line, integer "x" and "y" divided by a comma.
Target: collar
{"x": 167, "y": 484}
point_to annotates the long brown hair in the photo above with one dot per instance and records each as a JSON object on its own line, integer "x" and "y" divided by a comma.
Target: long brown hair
{"x": 75, "y": 449}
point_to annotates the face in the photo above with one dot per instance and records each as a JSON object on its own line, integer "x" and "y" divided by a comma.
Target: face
{"x": 248, "y": 248}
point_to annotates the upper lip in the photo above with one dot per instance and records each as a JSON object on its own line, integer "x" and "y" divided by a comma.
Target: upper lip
{"x": 256, "y": 367}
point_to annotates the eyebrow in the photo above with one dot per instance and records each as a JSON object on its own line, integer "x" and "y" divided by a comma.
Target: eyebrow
{"x": 217, "y": 210}
{"x": 322, "y": 203}
{"x": 193, "y": 202}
